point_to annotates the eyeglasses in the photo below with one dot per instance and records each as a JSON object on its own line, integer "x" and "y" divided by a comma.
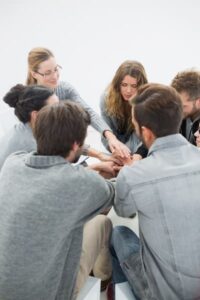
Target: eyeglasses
{"x": 49, "y": 74}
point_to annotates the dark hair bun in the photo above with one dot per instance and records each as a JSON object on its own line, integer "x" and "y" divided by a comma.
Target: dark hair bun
{"x": 13, "y": 96}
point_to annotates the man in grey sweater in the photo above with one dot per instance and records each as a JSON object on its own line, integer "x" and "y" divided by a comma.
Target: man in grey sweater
{"x": 44, "y": 203}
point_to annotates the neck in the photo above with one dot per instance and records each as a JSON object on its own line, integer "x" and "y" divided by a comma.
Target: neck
{"x": 195, "y": 116}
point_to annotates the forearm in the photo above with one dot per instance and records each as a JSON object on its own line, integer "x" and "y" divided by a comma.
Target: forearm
{"x": 93, "y": 153}
{"x": 109, "y": 135}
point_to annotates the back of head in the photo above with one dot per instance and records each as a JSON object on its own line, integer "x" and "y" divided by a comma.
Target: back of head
{"x": 26, "y": 99}
{"x": 159, "y": 108}
{"x": 189, "y": 82}
{"x": 35, "y": 57}
{"x": 132, "y": 68}
{"x": 58, "y": 127}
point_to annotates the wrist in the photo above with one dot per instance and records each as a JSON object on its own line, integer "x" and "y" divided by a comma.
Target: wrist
{"x": 95, "y": 167}
{"x": 109, "y": 135}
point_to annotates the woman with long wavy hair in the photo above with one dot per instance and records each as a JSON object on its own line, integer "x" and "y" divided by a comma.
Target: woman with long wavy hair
{"x": 114, "y": 105}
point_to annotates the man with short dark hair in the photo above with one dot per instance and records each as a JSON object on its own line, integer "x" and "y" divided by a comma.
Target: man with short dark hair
{"x": 163, "y": 263}
{"x": 45, "y": 202}
{"x": 187, "y": 83}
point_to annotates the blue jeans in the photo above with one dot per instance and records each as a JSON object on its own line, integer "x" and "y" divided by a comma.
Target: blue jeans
{"x": 124, "y": 242}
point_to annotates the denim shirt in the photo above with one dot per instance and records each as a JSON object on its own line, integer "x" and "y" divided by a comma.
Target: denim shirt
{"x": 164, "y": 189}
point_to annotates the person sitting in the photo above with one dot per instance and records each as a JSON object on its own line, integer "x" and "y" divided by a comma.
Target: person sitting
{"x": 187, "y": 83}
{"x": 26, "y": 101}
{"x": 45, "y": 201}
{"x": 163, "y": 263}
{"x": 43, "y": 69}
{"x": 115, "y": 106}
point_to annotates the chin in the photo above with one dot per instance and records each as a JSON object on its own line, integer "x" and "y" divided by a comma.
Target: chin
{"x": 198, "y": 144}
{"x": 53, "y": 85}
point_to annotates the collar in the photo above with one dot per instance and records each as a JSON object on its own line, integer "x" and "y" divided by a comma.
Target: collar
{"x": 169, "y": 141}
{"x": 42, "y": 161}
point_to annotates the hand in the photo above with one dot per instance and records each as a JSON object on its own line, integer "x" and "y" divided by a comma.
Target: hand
{"x": 106, "y": 169}
{"x": 129, "y": 161}
{"x": 136, "y": 157}
{"x": 113, "y": 157}
{"x": 117, "y": 146}
{"x": 121, "y": 149}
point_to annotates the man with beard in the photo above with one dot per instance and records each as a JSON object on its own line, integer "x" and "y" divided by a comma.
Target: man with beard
{"x": 187, "y": 83}
{"x": 163, "y": 263}
{"x": 45, "y": 202}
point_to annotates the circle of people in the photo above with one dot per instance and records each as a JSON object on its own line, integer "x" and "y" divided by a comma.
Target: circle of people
{"x": 53, "y": 213}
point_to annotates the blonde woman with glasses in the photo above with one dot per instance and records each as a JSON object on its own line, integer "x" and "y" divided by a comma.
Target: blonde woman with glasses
{"x": 43, "y": 69}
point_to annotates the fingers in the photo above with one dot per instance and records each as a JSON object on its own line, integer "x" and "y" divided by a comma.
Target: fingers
{"x": 122, "y": 150}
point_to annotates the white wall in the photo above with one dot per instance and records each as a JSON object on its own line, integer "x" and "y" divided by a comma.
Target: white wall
{"x": 91, "y": 38}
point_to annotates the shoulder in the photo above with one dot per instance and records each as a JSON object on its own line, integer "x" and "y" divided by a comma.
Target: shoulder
{"x": 92, "y": 179}
{"x": 64, "y": 85}
{"x": 14, "y": 160}
{"x": 65, "y": 91}
{"x": 103, "y": 98}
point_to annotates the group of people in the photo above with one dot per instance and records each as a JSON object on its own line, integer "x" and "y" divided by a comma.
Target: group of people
{"x": 54, "y": 231}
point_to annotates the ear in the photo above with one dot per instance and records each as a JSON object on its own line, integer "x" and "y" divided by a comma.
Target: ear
{"x": 75, "y": 147}
{"x": 33, "y": 118}
{"x": 148, "y": 136}
{"x": 73, "y": 152}
{"x": 34, "y": 74}
{"x": 198, "y": 102}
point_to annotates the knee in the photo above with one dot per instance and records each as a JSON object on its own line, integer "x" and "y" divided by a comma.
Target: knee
{"x": 120, "y": 235}
{"x": 104, "y": 226}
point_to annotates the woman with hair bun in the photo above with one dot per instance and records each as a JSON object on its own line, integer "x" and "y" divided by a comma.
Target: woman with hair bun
{"x": 26, "y": 101}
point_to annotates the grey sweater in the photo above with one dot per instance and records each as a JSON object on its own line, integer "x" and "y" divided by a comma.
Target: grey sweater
{"x": 66, "y": 91}
{"x": 20, "y": 137}
{"x": 129, "y": 139}
{"x": 42, "y": 213}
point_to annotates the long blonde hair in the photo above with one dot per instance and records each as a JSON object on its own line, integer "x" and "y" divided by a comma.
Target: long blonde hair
{"x": 115, "y": 105}
{"x": 35, "y": 57}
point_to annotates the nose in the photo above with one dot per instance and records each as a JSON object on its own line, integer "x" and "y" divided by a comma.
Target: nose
{"x": 128, "y": 88}
{"x": 55, "y": 75}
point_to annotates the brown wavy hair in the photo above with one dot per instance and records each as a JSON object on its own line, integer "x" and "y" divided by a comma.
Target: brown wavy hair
{"x": 35, "y": 57}
{"x": 188, "y": 81}
{"x": 115, "y": 105}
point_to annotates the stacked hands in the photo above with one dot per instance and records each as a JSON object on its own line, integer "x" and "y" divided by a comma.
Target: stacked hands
{"x": 111, "y": 164}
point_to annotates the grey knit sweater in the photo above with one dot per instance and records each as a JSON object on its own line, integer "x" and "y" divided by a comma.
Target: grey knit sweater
{"x": 44, "y": 203}
{"x": 66, "y": 91}
{"x": 20, "y": 137}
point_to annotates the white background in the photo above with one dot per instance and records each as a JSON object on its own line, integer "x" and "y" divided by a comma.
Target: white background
{"x": 91, "y": 38}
